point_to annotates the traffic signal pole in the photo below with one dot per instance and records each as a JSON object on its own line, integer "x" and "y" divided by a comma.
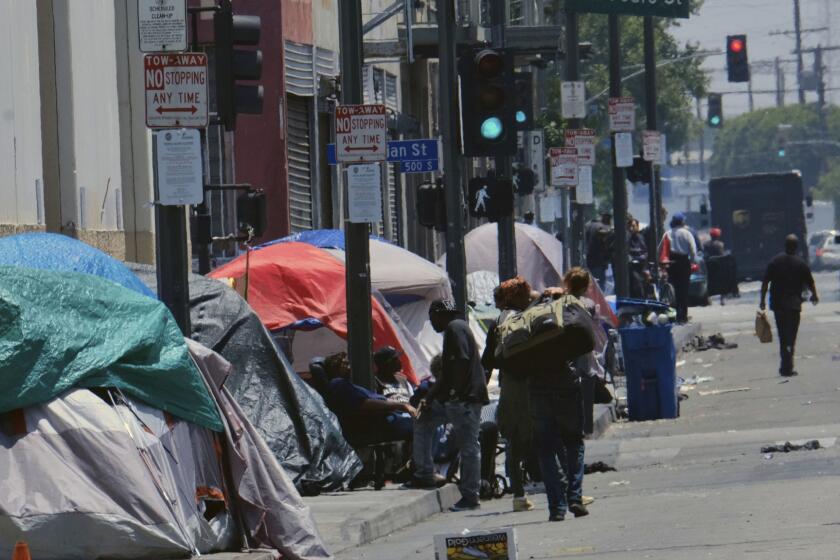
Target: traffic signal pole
{"x": 655, "y": 196}
{"x": 571, "y": 73}
{"x": 506, "y": 227}
{"x": 357, "y": 249}
{"x": 620, "y": 258}
{"x": 456, "y": 262}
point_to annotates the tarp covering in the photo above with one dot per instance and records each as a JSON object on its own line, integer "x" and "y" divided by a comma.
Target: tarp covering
{"x": 60, "y": 330}
{"x": 291, "y": 417}
{"x": 51, "y": 251}
{"x": 291, "y": 283}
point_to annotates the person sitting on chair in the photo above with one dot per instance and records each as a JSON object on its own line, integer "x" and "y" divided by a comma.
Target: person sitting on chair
{"x": 390, "y": 380}
{"x": 366, "y": 417}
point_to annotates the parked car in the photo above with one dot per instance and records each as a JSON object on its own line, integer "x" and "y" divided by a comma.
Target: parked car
{"x": 827, "y": 253}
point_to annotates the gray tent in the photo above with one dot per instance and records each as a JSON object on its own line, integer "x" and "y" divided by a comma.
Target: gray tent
{"x": 303, "y": 434}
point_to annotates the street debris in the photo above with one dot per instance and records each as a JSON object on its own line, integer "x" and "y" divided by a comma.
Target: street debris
{"x": 598, "y": 467}
{"x": 722, "y": 391}
{"x": 768, "y": 456}
{"x": 783, "y": 381}
{"x": 697, "y": 380}
{"x": 619, "y": 483}
{"x": 787, "y": 447}
{"x": 701, "y": 343}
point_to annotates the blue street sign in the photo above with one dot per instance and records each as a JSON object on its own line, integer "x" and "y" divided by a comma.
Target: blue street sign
{"x": 414, "y": 156}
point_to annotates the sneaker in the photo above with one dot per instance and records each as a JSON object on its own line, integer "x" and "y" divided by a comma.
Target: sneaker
{"x": 420, "y": 484}
{"x": 556, "y": 516}
{"x": 579, "y": 510}
{"x": 522, "y": 504}
{"x": 465, "y": 505}
{"x": 586, "y": 500}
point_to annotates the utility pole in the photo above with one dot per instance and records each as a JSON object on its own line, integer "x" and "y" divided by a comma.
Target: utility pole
{"x": 620, "y": 261}
{"x": 356, "y": 240}
{"x": 797, "y": 22}
{"x": 819, "y": 68}
{"x": 507, "y": 231}
{"x": 702, "y": 142}
{"x": 571, "y": 73}
{"x": 780, "y": 84}
{"x": 650, "y": 98}
{"x": 750, "y": 93}
{"x": 456, "y": 262}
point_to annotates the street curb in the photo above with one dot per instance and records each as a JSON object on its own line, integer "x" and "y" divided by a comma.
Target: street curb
{"x": 357, "y": 532}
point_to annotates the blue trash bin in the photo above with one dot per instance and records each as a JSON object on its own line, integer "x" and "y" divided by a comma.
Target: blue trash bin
{"x": 650, "y": 366}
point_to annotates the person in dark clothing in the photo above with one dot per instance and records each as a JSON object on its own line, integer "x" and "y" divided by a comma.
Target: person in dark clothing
{"x": 714, "y": 247}
{"x": 787, "y": 276}
{"x": 637, "y": 252}
{"x": 678, "y": 251}
{"x": 598, "y": 237}
{"x": 456, "y": 397}
{"x": 365, "y": 417}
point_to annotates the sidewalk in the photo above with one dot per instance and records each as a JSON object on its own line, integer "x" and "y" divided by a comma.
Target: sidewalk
{"x": 350, "y": 519}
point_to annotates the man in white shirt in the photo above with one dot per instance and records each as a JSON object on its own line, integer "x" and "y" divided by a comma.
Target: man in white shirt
{"x": 677, "y": 251}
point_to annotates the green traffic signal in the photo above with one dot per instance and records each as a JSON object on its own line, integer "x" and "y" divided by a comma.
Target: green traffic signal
{"x": 714, "y": 120}
{"x": 491, "y": 128}
{"x": 521, "y": 117}
{"x": 781, "y": 152}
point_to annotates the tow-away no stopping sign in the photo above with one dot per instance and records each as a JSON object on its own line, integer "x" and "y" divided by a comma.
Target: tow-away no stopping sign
{"x": 176, "y": 90}
{"x": 361, "y": 133}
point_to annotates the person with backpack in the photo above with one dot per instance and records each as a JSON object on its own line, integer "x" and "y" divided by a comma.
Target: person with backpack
{"x": 513, "y": 415}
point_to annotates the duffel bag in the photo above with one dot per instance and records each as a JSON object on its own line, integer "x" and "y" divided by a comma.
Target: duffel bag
{"x": 546, "y": 334}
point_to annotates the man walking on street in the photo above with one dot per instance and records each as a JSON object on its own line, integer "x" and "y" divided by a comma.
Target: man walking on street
{"x": 678, "y": 251}
{"x": 456, "y": 397}
{"x": 787, "y": 276}
{"x": 598, "y": 237}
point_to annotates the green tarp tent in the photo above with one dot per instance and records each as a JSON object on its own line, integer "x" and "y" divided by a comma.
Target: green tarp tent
{"x": 64, "y": 329}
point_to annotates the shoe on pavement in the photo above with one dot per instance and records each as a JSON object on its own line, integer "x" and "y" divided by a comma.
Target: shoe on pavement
{"x": 586, "y": 500}
{"x": 465, "y": 505}
{"x": 556, "y": 516}
{"x": 415, "y": 483}
{"x": 579, "y": 510}
{"x": 789, "y": 374}
{"x": 522, "y": 504}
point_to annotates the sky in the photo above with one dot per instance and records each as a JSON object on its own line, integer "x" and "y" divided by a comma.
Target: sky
{"x": 758, "y": 19}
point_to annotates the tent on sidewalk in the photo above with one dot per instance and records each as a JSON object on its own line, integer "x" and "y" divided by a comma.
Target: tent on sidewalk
{"x": 408, "y": 283}
{"x": 295, "y": 286}
{"x": 111, "y": 436}
{"x": 290, "y": 416}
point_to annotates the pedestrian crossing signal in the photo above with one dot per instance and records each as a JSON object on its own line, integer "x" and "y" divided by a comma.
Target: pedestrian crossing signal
{"x": 490, "y": 197}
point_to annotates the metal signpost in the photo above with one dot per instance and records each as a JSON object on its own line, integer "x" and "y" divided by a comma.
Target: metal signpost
{"x": 162, "y": 25}
{"x": 176, "y": 90}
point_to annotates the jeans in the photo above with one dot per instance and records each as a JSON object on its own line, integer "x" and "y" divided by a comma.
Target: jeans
{"x": 787, "y": 324}
{"x": 515, "y": 454}
{"x": 558, "y": 436}
{"x": 465, "y": 419}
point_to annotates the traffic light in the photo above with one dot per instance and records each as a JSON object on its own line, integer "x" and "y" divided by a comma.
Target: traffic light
{"x": 431, "y": 205}
{"x": 233, "y": 64}
{"x": 523, "y": 181}
{"x": 714, "y": 114}
{"x": 490, "y": 197}
{"x": 737, "y": 64}
{"x": 523, "y": 91}
{"x": 487, "y": 102}
{"x": 782, "y": 150}
{"x": 640, "y": 172}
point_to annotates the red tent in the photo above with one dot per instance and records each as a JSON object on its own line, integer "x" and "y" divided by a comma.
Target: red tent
{"x": 291, "y": 284}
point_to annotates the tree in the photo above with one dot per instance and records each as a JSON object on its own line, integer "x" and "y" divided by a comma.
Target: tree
{"x": 828, "y": 187}
{"x": 777, "y": 139}
{"x": 678, "y": 84}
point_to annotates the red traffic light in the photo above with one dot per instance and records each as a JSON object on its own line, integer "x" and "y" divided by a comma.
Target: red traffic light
{"x": 489, "y": 63}
{"x": 736, "y": 45}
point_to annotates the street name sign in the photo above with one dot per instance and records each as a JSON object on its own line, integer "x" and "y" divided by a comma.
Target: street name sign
{"x": 178, "y": 167}
{"x": 573, "y": 100}
{"x": 414, "y": 156}
{"x": 622, "y": 112}
{"x": 162, "y": 25}
{"x": 660, "y": 8}
{"x": 584, "y": 140}
{"x": 361, "y": 133}
{"x": 364, "y": 193}
{"x": 176, "y": 90}
{"x": 564, "y": 168}
{"x": 652, "y": 146}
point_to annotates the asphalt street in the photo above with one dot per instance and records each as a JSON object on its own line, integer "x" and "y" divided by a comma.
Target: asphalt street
{"x": 699, "y": 486}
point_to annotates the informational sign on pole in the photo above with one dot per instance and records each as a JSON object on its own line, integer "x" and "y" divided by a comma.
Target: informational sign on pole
{"x": 176, "y": 90}
{"x": 162, "y": 25}
{"x": 361, "y": 133}
{"x": 623, "y": 149}
{"x": 499, "y": 544}
{"x": 622, "y": 114}
{"x": 564, "y": 168}
{"x": 652, "y": 146}
{"x": 364, "y": 193}
{"x": 584, "y": 193}
{"x": 535, "y": 156}
{"x": 584, "y": 140}
{"x": 179, "y": 169}
{"x": 573, "y": 100}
